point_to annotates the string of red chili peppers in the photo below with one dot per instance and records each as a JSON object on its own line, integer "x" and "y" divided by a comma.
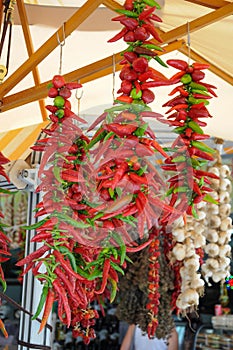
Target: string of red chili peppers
{"x": 62, "y": 255}
{"x": 4, "y": 240}
{"x": 187, "y": 110}
{"x": 137, "y": 79}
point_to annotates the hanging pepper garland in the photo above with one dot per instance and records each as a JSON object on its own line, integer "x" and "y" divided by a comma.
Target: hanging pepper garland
{"x": 189, "y": 185}
{"x": 98, "y": 191}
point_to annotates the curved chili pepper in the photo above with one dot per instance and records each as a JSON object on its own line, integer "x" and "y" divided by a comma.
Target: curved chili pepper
{"x": 106, "y": 269}
{"x": 47, "y": 309}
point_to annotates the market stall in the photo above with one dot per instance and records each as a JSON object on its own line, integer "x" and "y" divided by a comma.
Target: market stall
{"x": 128, "y": 197}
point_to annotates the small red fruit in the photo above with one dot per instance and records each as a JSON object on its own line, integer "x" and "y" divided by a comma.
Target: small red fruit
{"x": 58, "y": 81}
{"x": 140, "y": 64}
{"x": 148, "y": 96}
{"x": 64, "y": 92}
{"x": 52, "y": 92}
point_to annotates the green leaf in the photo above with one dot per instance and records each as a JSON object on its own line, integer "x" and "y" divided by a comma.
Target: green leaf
{"x": 119, "y": 191}
{"x": 111, "y": 192}
{"x": 208, "y": 198}
{"x": 117, "y": 268}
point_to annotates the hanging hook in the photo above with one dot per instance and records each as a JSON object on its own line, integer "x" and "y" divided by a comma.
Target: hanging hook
{"x": 61, "y": 43}
{"x": 188, "y": 41}
{"x": 113, "y": 76}
{"x": 79, "y": 96}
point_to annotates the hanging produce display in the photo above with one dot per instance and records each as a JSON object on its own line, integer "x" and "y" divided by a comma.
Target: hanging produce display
{"x": 4, "y": 240}
{"x": 219, "y": 223}
{"x": 104, "y": 200}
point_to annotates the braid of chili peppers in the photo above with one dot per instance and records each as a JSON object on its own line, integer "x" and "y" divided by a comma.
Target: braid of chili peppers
{"x": 137, "y": 78}
{"x": 186, "y": 112}
{"x": 153, "y": 283}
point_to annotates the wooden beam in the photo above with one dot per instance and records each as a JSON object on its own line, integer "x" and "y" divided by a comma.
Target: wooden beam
{"x": 198, "y": 23}
{"x": 30, "y": 50}
{"x": 212, "y": 4}
{"x": 73, "y": 22}
{"x": 85, "y": 74}
{"x": 213, "y": 68}
{"x": 112, "y": 5}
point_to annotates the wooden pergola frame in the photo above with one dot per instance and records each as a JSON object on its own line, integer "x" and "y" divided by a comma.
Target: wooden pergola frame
{"x": 172, "y": 40}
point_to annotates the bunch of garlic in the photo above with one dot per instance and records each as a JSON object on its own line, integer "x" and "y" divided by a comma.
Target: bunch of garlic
{"x": 218, "y": 227}
{"x": 187, "y": 238}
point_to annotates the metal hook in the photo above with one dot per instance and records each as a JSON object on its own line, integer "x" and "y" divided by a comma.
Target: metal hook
{"x": 113, "y": 75}
{"x": 78, "y": 97}
{"x": 61, "y": 43}
{"x": 188, "y": 41}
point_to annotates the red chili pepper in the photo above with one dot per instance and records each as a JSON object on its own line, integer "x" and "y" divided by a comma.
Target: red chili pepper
{"x": 175, "y": 101}
{"x": 178, "y": 64}
{"x": 176, "y": 77}
{"x": 156, "y": 18}
{"x": 118, "y": 36}
{"x": 60, "y": 290}
{"x": 205, "y": 173}
{"x": 106, "y": 269}
{"x": 129, "y": 5}
{"x": 129, "y": 23}
{"x": 138, "y": 179}
{"x": 124, "y": 98}
{"x": 202, "y": 154}
{"x": 178, "y": 107}
{"x": 33, "y": 256}
{"x": 152, "y": 30}
{"x": 146, "y": 13}
{"x": 197, "y": 65}
{"x": 66, "y": 265}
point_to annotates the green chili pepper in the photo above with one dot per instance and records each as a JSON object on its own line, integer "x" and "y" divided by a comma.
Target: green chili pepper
{"x": 34, "y": 226}
{"x": 186, "y": 79}
{"x": 179, "y": 129}
{"x": 160, "y": 61}
{"x": 195, "y": 127}
{"x": 57, "y": 172}
{"x": 97, "y": 139}
{"x": 181, "y": 189}
{"x": 42, "y": 301}
{"x": 195, "y": 215}
{"x": 95, "y": 274}
{"x": 122, "y": 246}
{"x": 178, "y": 159}
{"x": 71, "y": 221}
{"x": 141, "y": 130}
{"x": 117, "y": 268}
{"x": 196, "y": 101}
{"x": 136, "y": 95}
{"x": 111, "y": 133}
{"x": 202, "y": 92}
{"x": 152, "y": 3}
{"x": 202, "y": 146}
{"x": 194, "y": 85}
{"x": 127, "y": 13}
{"x": 66, "y": 251}
{"x": 152, "y": 47}
{"x": 113, "y": 289}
